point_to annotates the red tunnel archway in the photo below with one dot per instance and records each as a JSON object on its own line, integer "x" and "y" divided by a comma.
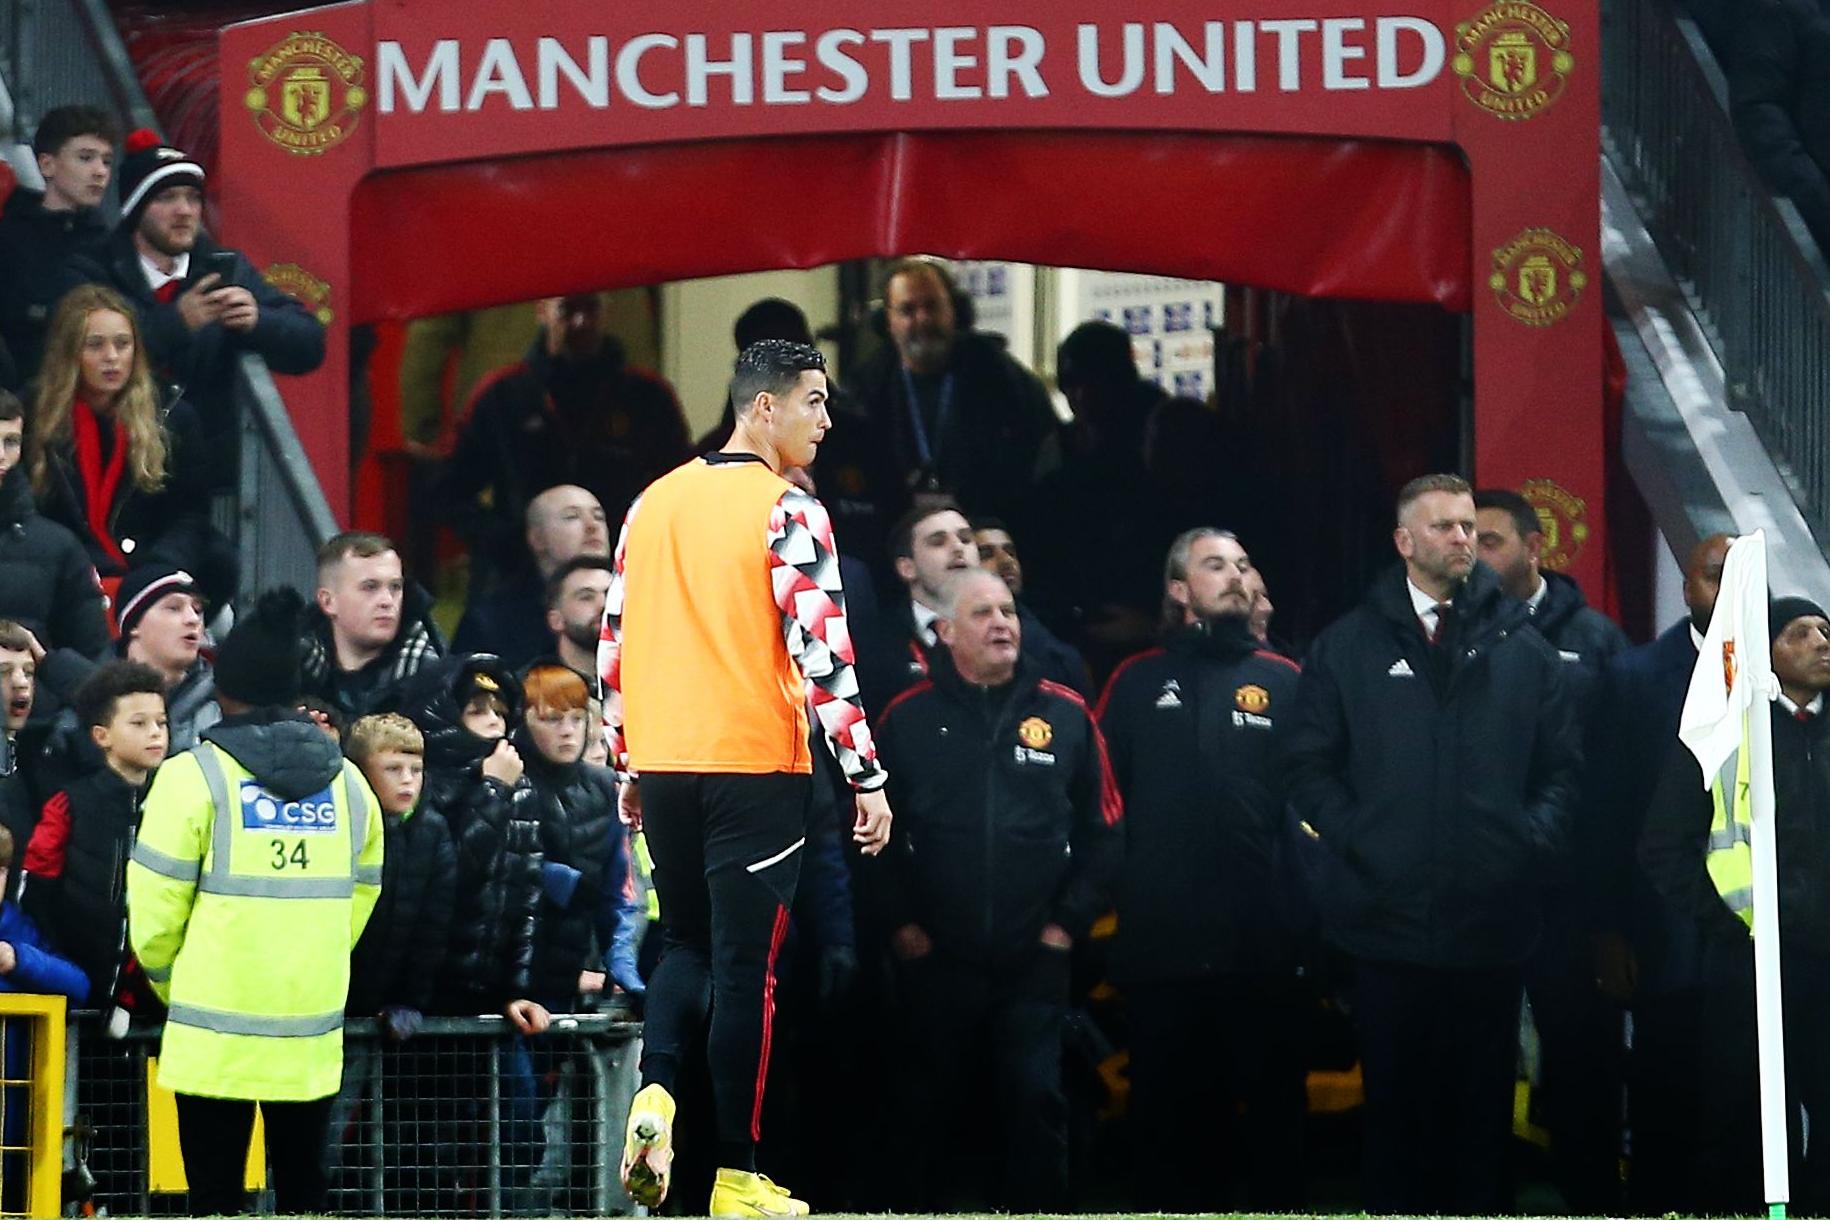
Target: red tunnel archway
{"x": 390, "y": 160}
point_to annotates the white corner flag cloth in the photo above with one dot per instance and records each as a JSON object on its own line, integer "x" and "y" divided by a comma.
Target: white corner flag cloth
{"x": 1735, "y": 667}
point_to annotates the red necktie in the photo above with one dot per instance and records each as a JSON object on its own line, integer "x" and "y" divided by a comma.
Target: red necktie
{"x": 1803, "y": 715}
{"x": 165, "y": 292}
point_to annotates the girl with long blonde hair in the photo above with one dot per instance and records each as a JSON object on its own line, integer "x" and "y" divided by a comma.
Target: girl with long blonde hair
{"x": 106, "y": 456}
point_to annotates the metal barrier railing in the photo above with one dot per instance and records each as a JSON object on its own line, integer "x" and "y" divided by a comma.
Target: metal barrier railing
{"x": 280, "y": 513}
{"x": 56, "y": 52}
{"x": 467, "y": 1119}
{"x": 1747, "y": 264}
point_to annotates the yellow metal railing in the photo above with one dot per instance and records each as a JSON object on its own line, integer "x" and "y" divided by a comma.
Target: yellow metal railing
{"x": 31, "y": 1104}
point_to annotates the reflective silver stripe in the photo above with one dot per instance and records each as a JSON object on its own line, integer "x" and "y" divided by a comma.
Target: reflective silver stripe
{"x": 221, "y": 831}
{"x": 1732, "y": 835}
{"x": 368, "y": 874}
{"x": 161, "y": 975}
{"x": 236, "y": 885}
{"x": 154, "y": 860}
{"x": 358, "y": 815}
{"x": 777, "y": 858}
{"x": 1740, "y": 900}
{"x": 259, "y": 1026}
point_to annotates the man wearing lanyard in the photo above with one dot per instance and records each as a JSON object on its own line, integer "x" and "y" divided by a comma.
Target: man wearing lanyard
{"x": 963, "y": 417}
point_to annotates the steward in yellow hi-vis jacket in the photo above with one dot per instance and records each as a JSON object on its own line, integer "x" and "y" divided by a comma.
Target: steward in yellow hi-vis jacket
{"x": 258, "y": 863}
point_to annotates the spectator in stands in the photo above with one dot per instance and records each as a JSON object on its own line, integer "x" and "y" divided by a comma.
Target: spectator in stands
{"x": 1435, "y": 760}
{"x": 241, "y": 939}
{"x": 76, "y": 860}
{"x": 959, "y": 415}
{"x": 126, "y": 473}
{"x": 1696, "y": 874}
{"x": 1780, "y": 103}
{"x": 863, "y": 490}
{"x": 1208, "y": 951}
{"x": 510, "y": 620}
{"x": 930, "y": 545}
{"x": 397, "y": 964}
{"x": 18, "y": 683}
{"x": 1112, "y": 605}
{"x": 47, "y": 584}
{"x": 1647, "y": 954}
{"x": 370, "y": 631}
{"x": 998, "y": 870}
{"x": 41, "y": 230}
{"x": 199, "y": 306}
{"x": 575, "y": 613}
{"x": 28, "y": 964}
{"x": 572, "y": 412}
{"x": 466, "y": 707}
{"x": 1578, "y": 1030}
{"x": 577, "y": 812}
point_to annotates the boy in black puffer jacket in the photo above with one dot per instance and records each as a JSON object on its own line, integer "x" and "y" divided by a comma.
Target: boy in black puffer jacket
{"x": 465, "y": 707}
{"x": 578, "y": 833}
{"x": 76, "y": 862}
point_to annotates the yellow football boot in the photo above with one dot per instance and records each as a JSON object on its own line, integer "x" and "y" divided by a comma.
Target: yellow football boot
{"x": 648, "y": 1146}
{"x": 737, "y": 1193}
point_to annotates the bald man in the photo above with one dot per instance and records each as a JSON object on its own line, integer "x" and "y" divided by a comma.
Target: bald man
{"x": 562, "y": 523}
{"x": 1646, "y": 957}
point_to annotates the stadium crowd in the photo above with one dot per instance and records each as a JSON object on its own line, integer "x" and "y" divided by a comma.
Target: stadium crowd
{"x": 1463, "y": 795}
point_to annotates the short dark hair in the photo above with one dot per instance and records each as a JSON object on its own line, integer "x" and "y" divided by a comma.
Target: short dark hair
{"x": 578, "y": 563}
{"x": 916, "y": 264}
{"x": 1096, "y": 353}
{"x": 333, "y": 715}
{"x": 10, "y": 406}
{"x": 772, "y": 366}
{"x": 902, "y": 534}
{"x": 1424, "y": 484}
{"x": 991, "y": 523}
{"x": 357, "y": 543}
{"x": 13, "y": 637}
{"x": 771, "y": 318}
{"x": 65, "y": 123}
{"x": 1524, "y": 517}
{"x": 95, "y": 700}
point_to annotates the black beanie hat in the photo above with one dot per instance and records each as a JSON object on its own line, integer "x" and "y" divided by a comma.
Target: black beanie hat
{"x": 142, "y": 589}
{"x": 1782, "y": 610}
{"x": 259, "y": 663}
{"x": 149, "y": 167}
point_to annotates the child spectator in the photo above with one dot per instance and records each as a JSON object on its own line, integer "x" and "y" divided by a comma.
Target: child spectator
{"x": 401, "y": 956}
{"x": 578, "y": 834}
{"x": 76, "y": 862}
{"x": 27, "y": 964}
{"x": 465, "y": 707}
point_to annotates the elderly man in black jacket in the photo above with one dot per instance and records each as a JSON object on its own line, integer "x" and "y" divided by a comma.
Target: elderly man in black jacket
{"x": 1208, "y": 951}
{"x": 1434, "y": 762}
{"x": 1009, "y": 846}
{"x": 1675, "y": 848}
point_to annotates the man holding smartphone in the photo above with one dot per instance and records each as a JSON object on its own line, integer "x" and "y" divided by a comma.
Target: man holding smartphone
{"x": 200, "y": 306}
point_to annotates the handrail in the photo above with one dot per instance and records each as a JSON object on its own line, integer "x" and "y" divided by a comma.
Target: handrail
{"x": 1749, "y": 268}
{"x": 275, "y": 547}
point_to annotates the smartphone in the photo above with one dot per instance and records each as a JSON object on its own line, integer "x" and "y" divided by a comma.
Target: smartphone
{"x": 220, "y": 263}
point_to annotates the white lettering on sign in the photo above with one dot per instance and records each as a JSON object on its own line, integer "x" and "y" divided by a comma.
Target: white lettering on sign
{"x": 841, "y": 67}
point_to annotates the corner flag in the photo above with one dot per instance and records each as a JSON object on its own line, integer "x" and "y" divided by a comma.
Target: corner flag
{"x": 1727, "y": 724}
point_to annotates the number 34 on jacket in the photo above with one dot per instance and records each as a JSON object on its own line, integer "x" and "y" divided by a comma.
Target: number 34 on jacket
{"x": 257, "y": 866}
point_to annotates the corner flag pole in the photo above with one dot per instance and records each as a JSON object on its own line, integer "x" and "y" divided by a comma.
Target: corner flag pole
{"x": 1769, "y": 1010}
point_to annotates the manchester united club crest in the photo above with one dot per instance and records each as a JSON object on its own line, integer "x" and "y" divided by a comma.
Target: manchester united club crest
{"x": 1563, "y": 518}
{"x": 310, "y": 291}
{"x": 1513, "y": 59}
{"x": 1537, "y": 277}
{"x": 1251, "y": 698}
{"x": 1035, "y": 733}
{"x": 306, "y": 93}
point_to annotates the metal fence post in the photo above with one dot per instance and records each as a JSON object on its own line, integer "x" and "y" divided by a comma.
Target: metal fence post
{"x": 495, "y": 1127}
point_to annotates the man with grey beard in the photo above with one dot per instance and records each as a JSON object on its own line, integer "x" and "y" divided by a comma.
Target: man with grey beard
{"x": 962, "y": 417}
